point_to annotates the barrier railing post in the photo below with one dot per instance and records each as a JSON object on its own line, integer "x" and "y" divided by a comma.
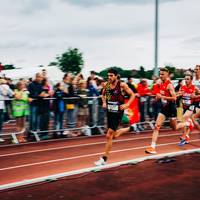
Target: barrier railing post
{"x": 151, "y": 125}
{"x": 36, "y": 135}
{"x": 15, "y": 140}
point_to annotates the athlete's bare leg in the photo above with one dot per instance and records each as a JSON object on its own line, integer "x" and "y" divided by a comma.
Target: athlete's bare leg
{"x": 186, "y": 116}
{"x": 195, "y": 117}
{"x": 121, "y": 131}
{"x": 109, "y": 136}
{"x": 159, "y": 121}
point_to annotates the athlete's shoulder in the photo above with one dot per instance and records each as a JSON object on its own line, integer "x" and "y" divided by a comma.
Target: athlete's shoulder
{"x": 123, "y": 84}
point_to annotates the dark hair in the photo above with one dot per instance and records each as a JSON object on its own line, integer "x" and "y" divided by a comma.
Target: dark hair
{"x": 190, "y": 75}
{"x": 164, "y": 69}
{"x": 113, "y": 71}
{"x": 44, "y": 81}
{"x": 65, "y": 75}
{"x": 129, "y": 78}
{"x": 57, "y": 85}
{"x": 93, "y": 72}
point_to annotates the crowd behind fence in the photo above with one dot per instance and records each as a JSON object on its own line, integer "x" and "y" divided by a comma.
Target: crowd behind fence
{"x": 72, "y": 107}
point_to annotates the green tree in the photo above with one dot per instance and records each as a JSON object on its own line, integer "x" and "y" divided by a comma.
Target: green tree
{"x": 141, "y": 72}
{"x": 122, "y": 73}
{"x": 7, "y": 67}
{"x": 70, "y": 61}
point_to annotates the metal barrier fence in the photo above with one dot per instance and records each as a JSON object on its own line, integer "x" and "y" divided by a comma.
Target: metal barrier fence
{"x": 90, "y": 119}
{"x": 93, "y": 118}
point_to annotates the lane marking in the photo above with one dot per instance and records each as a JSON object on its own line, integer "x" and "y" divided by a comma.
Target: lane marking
{"x": 84, "y": 156}
{"x": 83, "y": 145}
{"x": 92, "y": 169}
{"x": 73, "y": 138}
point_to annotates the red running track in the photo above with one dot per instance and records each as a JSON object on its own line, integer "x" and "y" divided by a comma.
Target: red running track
{"x": 33, "y": 160}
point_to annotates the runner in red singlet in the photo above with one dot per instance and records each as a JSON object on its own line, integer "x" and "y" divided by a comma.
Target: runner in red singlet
{"x": 187, "y": 91}
{"x": 168, "y": 97}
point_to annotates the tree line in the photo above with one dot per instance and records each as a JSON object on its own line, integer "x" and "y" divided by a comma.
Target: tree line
{"x": 72, "y": 61}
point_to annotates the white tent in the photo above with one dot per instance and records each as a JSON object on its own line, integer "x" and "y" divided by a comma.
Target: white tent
{"x": 54, "y": 73}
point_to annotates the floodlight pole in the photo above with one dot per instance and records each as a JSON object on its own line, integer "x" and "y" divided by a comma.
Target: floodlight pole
{"x": 156, "y": 71}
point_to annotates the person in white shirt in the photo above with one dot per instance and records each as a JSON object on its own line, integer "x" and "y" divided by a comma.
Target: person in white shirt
{"x": 5, "y": 93}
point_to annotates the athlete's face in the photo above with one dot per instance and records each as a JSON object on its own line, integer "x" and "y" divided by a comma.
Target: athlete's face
{"x": 164, "y": 75}
{"x": 197, "y": 70}
{"x": 112, "y": 77}
{"x": 188, "y": 80}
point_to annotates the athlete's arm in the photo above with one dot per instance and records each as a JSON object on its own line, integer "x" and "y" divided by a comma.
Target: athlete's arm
{"x": 180, "y": 92}
{"x": 172, "y": 92}
{"x": 130, "y": 93}
{"x": 196, "y": 94}
{"x": 103, "y": 96}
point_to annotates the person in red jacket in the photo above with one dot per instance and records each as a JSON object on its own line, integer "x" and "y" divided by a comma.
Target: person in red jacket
{"x": 1, "y": 67}
{"x": 143, "y": 93}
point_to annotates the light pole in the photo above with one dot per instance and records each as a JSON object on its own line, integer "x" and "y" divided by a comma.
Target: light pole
{"x": 156, "y": 71}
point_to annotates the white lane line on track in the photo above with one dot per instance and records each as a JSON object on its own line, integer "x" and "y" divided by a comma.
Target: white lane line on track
{"x": 68, "y": 139}
{"x": 84, "y": 156}
{"x": 83, "y": 145}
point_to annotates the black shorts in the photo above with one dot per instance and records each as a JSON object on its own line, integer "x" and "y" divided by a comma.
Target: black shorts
{"x": 194, "y": 107}
{"x": 114, "y": 120}
{"x": 169, "y": 110}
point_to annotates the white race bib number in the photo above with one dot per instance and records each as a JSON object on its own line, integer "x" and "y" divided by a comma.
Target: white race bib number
{"x": 186, "y": 101}
{"x": 164, "y": 101}
{"x": 112, "y": 106}
{"x": 191, "y": 108}
{"x": 142, "y": 99}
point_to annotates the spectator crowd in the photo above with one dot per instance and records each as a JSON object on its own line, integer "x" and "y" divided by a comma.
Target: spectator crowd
{"x": 74, "y": 102}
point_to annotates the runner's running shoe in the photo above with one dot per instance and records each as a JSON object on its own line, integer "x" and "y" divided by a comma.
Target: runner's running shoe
{"x": 182, "y": 142}
{"x": 150, "y": 150}
{"x": 187, "y": 139}
{"x": 100, "y": 162}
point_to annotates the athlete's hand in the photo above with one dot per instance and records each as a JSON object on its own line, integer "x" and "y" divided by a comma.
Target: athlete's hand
{"x": 192, "y": 96}
{"x": 123, "y": 106}
{"x": 158, "y": 96}
{"x": 104, "y": 105}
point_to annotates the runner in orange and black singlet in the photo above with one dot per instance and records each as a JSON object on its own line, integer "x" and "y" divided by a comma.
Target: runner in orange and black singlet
{"x": 114, "y": 98}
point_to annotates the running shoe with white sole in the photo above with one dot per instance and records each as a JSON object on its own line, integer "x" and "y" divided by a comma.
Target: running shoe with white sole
{"x": 182, "y": 142}
{"x": 187, "y": 140}
{"x": 100, "y": 162}
{"x": 134, "y": 128}
{"x": 150, "y": 150}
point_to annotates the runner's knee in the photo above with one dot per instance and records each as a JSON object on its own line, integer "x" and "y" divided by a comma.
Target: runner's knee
{"x": 157, "y": 127}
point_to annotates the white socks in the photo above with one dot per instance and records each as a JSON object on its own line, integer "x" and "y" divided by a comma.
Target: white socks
{"x": 153, "y": 145}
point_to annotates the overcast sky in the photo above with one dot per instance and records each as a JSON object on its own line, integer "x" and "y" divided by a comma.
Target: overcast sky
{"x": 107, "y": 32}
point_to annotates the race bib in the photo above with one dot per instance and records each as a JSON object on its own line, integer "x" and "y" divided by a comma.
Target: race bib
{"x": 191, "y": 108}
{"x": 142, "y": 99}
{"x": 112, "y": 106}
{"x": 164, "y": 101}
{"x": 186, "y": 101}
